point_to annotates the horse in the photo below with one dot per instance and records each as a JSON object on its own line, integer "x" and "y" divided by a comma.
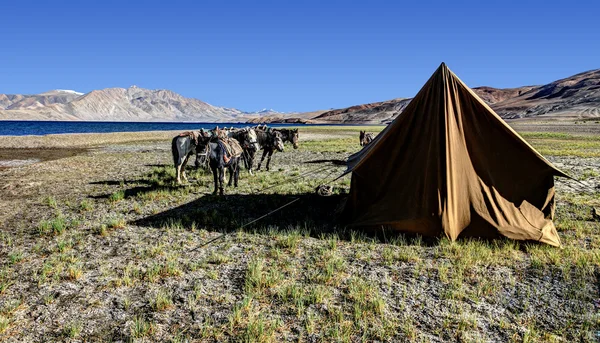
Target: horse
{"x": 366, "y": 138}
{"x": 223, "y": 153}
{"x": 269, "y": 141}
{"x": 289, "y": 135}
{"x": 248, "y": 140}
{"x": 182, "y": 146}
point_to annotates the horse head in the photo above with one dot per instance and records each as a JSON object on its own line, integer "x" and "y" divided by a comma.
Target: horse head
{"x": 252, "y": 139}
{"x": 294, "y": 134}
{"x": 277, "y": 141}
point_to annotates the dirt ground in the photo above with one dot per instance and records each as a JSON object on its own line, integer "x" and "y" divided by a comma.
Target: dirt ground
{"x": 98, "y": 244}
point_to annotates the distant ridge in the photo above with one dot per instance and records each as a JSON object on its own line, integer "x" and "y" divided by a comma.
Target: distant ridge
{"x": 574, "y": 97}
{"x": 117, "y": 104}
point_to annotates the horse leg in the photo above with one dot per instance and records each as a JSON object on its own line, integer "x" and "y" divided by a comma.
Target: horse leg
{"x": 221, "y": 179}
{"x": 250, "y": 157}
{"x": 216, "y": 180}
{"x": 178, "y": 173}
{"x": 261, "y": 159}
{"x": 237, "y": 174}
{"x": 231, "y": 171}
{"x": 269, "y": 159}
{"x": 185, "y": 160}
{"x": 245, "y": 158}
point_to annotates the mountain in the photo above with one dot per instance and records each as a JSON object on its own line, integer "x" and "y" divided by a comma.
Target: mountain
{"x": 577, "y": 96}
{"x": 373, "y": 113}
{"x": 493, "y": 95}
{"x": 574, "y": 97}
{"x": 115, "y": 104}
{"x": 32, "y": 102}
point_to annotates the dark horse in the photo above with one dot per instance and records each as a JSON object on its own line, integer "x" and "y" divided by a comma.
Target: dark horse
{"x": 366, "y": 138}
{"x": 269, "y": 141}
{"x": 182, "y": 147}
{"x": 220, "y": 158}
{"x": 289, "y": 135}
{"x": 249, "y": 141}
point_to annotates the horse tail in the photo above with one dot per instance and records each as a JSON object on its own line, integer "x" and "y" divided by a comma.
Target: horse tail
{"x": 175, "y": 151}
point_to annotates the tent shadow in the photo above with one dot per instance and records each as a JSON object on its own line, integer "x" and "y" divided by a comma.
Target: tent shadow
{"x": 311, "y": 214}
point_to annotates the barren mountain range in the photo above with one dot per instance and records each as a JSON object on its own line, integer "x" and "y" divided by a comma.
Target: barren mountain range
{"x": 117, "y": 104}
{"x": 574, "y": 97}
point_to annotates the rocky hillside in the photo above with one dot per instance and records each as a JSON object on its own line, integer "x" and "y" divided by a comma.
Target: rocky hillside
{"x": 36, "y": 101}
{"x": 493, "y": 95}
{"x": 574, "y": 97}
{"x": 373, "y": 113}
{"x": 115, "y": 104}
{"x": 577, "y": 96}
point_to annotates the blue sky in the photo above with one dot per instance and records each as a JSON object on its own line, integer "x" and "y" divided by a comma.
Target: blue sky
{"x": 291, "y": 55}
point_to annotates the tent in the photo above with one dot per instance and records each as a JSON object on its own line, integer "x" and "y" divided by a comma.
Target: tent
{"x": 449, "y": 164}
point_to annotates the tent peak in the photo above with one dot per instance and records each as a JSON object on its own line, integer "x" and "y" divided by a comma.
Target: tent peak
{"x": 443, "y": 68}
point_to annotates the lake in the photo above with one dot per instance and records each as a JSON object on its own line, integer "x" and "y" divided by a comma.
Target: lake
{"x": 38, "y": 128}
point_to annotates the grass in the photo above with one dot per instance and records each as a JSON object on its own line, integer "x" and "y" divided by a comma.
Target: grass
{"x": 141, "y": 328}
{"x": 15, "y": 257}
{"x": 86, "y": 205}
{"x": 218, "y": 258}
{"x": 116, "y": 223}
{"x": 258, "y": 280}
{"x": 73, "y": 330}
{"x": 51, "y": 201}
{"x": 4, "y": 323}
{"x": 292, "y": 281}
{"x": 117, "y": 196}
{"x": 55, "y": 226}
{"x": 163, "y": 300}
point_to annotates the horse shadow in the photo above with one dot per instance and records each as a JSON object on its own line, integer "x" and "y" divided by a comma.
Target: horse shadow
{"x": 309, "y": 212}
{"x": 146, "y": 185}
{"x": 117, "y": 182}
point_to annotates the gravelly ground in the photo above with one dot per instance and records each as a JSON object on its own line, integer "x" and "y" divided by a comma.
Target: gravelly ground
{"x": 127, "y": 268}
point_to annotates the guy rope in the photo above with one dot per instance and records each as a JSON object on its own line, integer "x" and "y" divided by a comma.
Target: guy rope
{"x": 329, "y": 169}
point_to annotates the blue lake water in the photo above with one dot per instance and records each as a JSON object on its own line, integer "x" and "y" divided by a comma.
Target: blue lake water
{"x": 23, "y": 128}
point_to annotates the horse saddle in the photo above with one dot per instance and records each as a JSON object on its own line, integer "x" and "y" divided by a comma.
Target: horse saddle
{"x": 231, "y": 146}
{"x": 192, "y": 134}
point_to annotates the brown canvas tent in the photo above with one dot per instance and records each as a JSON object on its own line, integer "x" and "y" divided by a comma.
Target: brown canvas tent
{"x": 449, "y": 164}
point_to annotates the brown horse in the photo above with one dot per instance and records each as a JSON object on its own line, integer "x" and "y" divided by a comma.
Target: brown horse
{"x": 289, "y": 135}
{"x": 269, "y": 141}
{"x": 366, "y": 138}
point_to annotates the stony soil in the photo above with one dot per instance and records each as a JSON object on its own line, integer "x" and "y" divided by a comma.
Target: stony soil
{"x": 100, "y": 245}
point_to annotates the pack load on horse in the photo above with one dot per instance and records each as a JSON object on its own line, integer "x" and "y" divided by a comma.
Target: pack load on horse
{"x": 223, "y": 152}
{"x": 249, "y": 141}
